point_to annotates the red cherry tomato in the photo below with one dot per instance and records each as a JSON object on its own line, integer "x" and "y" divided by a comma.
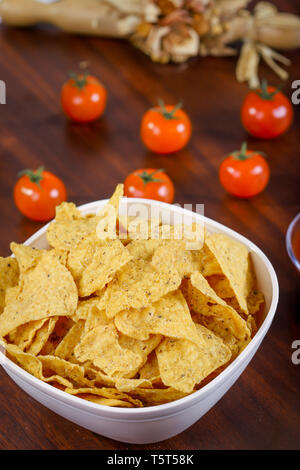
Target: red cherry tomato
{"x": 149, "y": 183}
{"x": 83, "y": 98}
{"x": 165, "y": 129}
{"x": 244, "y": 173}
{"x": 266, "y": 113}
{"x": 37, "y": 193}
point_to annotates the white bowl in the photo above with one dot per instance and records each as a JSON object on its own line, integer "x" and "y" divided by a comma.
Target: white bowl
{"x": 155, "y": 423}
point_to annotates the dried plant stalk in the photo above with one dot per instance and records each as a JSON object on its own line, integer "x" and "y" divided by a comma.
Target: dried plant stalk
{"x": 93, "y": 17}
{"x": 247, "y": 67}
{"x": 174, "y": 30}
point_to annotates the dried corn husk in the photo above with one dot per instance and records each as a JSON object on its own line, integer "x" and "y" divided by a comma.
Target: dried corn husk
{"x": 113, "y": 18}
{"x": 174, "y": 30}
{"x": 247, "y": 67}
{"x": 222, "y": 23}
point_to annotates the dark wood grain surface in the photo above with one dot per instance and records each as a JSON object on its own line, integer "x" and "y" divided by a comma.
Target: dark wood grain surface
{"x": 262, "y": 410}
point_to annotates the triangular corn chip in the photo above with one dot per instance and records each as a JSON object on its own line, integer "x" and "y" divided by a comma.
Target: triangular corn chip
{"x": 175, "y": 255}
{"x": 65, "y": 349}
{"x": 70, "y": 227}
{"x": 104, "y": 392}
{"x": 84, "y": 307}
{"x": 150, "y": 370}
{"x": 24, "y": 334}
{"x": 138, "y": 285}
{"x": 109, "y": 401}
{"x": 93, "y": 263}
{"x": 33, "y": 365}
{"x": 26, "y": 256}
{"x": 116, "y": 197}
{"x": 41, "y": 337}
{"x": 101, "y": 346}
{"x": 62, "y": 326}
{"x": 157, "y": 396}
{"x": 142, "y": 348}
{"x": 121, "y": 384}
{"x": 65, "y": 369}
{"x": 231, "y": 259}
{"x": 169, "y": 316}
{"x": 202, "y": 299}
{"x": 39, "y": 295}
{"x": 9, "y": 276}
{"x": 183, "y": 364}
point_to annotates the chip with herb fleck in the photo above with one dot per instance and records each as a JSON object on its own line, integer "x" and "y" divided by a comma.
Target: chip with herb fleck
{"x": 127, "y": 312}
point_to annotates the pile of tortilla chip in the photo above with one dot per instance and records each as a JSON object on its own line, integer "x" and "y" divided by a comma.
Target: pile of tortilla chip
{"x": 128, "y": 317}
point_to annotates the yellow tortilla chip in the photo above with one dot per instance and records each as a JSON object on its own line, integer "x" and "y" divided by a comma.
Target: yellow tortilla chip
{"x": 70, "y": 227}
{"x": 135, "y": 323}
{"x": 9, "y": 276}
{"x": 193, "y": 234}
{"x": 33, "y": 365}
{"x": 62, "y": 256}
{"x": 100, "y": 295}
{"x": 24, "y": 334}
{"x": 45, "y": 290}
{"x": 41, "y": 337}
{"x": 107, "y": 401}
{"x": 252, "y": 325}
{"x": 117, "y": 196}
{"x": 27, "y": 361}
{"x": 150, "y": 370}
{"x": 84, "y": 307}
{"x": 120, "y": 383}
{"x": 169, "y": 316}
{"x": 138, "y": 228}
{"x": 157, "y": 396}
{"x": 254, "y": 301}
{"x": 143, "y": 249}
{"x": 57, "y": 379}
{"x": 65, "y": 349}
{"x": 127, "y": 385}
{"x": 141, "y": 348}
{"x": 175, "y": 255}
{"x": 215, "y": 324}
{"x": 233, "y": 260}
{"x": 203, "y": 300}
{"x": 65, "y": 369}
{"x": 138, "y": 285}
{"x": 184, "y": 364}
{"x": 93, "y": 263}
{"x": 220, "y": 285}
{"x": 97, "y": 376}
{"x": 107, "y": 226}
{"x": 95, "y": 318}
{"x": 62, "y": 326}
{"x": 101, "y": 346}
{"x": 105, "y": 393}
{"x": 10, "y": 294}
{"x": 209, "y": 264}
{"x": 26, "y": 256}
{"x": 164, "y": 253}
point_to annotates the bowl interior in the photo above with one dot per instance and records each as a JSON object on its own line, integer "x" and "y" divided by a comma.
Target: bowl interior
{"x": 267, "y": 283}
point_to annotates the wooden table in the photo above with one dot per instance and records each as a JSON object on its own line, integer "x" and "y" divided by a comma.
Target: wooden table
{"x": 262, "y": 410}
